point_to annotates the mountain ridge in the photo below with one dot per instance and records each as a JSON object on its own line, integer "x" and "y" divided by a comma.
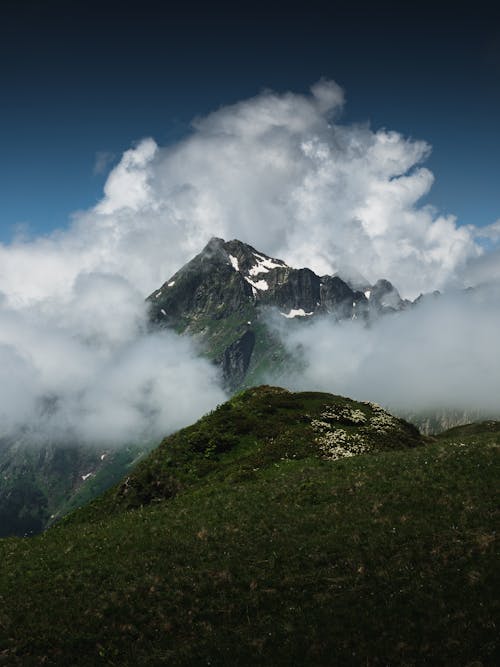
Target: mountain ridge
{"x": 256, "y": 428}
{"x": 222, "y": 295}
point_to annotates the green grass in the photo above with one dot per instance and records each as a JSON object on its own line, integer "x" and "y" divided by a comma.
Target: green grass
{"x": 218, "y": 334}
{"x": 485, "y": 431}
{"x": 275, "y": 556}
{"x": 269, "y": 358}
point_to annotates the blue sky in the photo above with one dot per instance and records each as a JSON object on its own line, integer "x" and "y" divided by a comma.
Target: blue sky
{"x": 82, "y": 81}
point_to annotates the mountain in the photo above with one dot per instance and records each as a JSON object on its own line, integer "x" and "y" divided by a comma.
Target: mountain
{"x": 223, "y": 298}
{"x": 224, "y": 295}
{"x": 280, "y": 529}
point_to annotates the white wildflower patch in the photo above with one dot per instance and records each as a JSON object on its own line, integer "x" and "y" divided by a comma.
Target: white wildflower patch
{"x": 382, "y": 422}
{"x": 373, "y": 406}
{"x": 319, "y": 425}
{"x": 336, "y": 442}
{"x": 344, "y": 414}
{"x": 357, "y": 416}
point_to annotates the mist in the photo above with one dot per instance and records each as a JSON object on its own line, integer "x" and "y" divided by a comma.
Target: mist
{"x": 87, "y": 370}
{"x": 441, "y": 354}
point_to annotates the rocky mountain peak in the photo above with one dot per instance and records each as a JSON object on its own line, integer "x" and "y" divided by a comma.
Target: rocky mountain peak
{"x": 223, "y": 294}
{"x": 253, "y": 265}
{"x": 385, "y": 297}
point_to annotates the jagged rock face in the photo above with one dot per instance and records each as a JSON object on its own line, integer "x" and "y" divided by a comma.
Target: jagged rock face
{"x": 337, "y": 297}
{"x": 293, "y": 290}
{"x": 384, "y": 297}
{"x": 221, "y": 297}
{"x": 207, "y": 286}
{"x": 237, "y": 359}
{"x": 226, "y": 274}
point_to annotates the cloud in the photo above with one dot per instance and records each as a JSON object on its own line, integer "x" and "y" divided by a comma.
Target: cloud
{"x": 127, "y": 185}
{"x": 491, "y": 232}
{"x": 329, "y": 96}
{"x": 441, "y": 354}
{"x": 103, "y": 159}
{"x": 86, "y": 369}
{"x": 483, "y": 269}
{"x": 279, "y": 171}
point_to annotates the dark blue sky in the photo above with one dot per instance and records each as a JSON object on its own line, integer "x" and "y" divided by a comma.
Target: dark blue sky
{"x": 83, "y": 78}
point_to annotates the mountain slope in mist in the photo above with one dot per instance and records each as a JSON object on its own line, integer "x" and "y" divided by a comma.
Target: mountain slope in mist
{"x": 258, "y": 320}
{"x": 40, "y": 483}
{"x": 213, "y": 299}
{"x": 266, "y": 534}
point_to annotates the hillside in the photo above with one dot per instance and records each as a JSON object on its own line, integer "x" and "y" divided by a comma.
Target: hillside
{"x": 40, "y": 482}
{"x": 253, "y": 431}
{"x": 255, "y": 536}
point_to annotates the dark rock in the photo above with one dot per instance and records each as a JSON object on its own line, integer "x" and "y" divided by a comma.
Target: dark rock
{"x": 384, "y": 297}
{"x": 237, "y": 359}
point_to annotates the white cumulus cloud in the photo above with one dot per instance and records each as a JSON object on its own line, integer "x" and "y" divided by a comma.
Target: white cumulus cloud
{"x": 279, "y": 171}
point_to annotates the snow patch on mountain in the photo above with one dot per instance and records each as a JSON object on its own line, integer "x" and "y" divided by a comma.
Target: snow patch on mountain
{"x": 260, "y": 284}
{"x": 296, "y": 312}
{"x": 264, "y": 264}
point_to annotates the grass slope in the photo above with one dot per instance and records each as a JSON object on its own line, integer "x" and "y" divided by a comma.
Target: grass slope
{"x": 256, "y": 547}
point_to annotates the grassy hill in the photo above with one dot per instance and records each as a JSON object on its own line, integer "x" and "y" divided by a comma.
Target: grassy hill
{"x": 281, "y": 529}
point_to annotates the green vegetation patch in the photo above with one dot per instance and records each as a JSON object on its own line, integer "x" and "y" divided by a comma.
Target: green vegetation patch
{"x": 386, "y": 559}
{"x": 258, "y": 536}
